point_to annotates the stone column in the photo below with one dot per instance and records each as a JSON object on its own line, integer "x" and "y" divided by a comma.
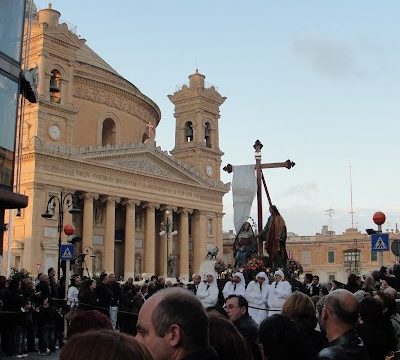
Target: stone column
{"x": 218, "y": 235}
{"x": 183, "y": 235}
{"x": 149, "y": 239}
{"x": 109, "y": 242}
{"x": 199, "y": 240}
{"x": 87, "y": 225}
{"x": 129, "y": 263}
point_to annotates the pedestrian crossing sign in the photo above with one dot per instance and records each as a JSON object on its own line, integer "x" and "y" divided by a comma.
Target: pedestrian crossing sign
{"x": 67, "y": 252}
{"x": 380, "y": 242}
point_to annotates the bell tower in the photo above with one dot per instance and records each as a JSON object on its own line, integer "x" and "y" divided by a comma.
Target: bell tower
{"x": 196, "y": 131}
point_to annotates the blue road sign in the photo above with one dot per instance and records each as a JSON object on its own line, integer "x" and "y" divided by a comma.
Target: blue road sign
{"x": 380, "y": 242}
{"x": 67, "y": 252}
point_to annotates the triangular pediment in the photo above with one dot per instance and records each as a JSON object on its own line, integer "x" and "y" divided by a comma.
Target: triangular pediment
{"x": 146, "y": 163}
{"x": 143, "y": 159}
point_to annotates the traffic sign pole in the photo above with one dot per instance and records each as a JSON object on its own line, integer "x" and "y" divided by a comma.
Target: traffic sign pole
{"x": 380, "y": 253}
{"x": 67, "y": 279}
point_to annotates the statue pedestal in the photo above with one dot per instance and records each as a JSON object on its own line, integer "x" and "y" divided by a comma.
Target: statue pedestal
{"x": 208, "y": 266}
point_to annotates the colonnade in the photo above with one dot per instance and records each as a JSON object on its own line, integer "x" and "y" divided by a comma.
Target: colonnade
{"x": 200, "y": 236}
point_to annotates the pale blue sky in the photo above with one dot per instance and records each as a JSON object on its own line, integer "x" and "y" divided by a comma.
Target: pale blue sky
{"x": 316, "y": 81}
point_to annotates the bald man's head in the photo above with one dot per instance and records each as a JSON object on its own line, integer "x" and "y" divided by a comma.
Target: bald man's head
{"x": 344, "y": 305}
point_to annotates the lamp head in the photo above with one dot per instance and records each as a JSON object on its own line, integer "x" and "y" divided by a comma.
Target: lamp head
{"x": 371, "y": 231}
{"x": 47, "y": 215}
{"x": 74, "y": 211}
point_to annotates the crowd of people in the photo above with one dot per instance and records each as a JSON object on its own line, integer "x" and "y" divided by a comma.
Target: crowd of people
{"x": 266, "y": 318}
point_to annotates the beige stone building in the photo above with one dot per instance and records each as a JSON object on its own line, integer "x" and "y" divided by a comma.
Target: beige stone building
{"x": 336, "y": 256}
{"x": 92, "y": 133}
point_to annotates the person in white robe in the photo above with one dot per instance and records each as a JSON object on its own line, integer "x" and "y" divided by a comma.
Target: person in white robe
{"x": 235, "y": 287}
{"x": 278, "y": 293}
{"x": 207, "y": 292}
{"x": 256, "y": 295}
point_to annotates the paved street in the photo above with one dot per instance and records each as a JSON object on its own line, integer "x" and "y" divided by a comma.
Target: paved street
{"x": 55, "y": 356}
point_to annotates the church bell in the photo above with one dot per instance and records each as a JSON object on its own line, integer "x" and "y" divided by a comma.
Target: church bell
{"x": 54, "y": 85}
{"x": 189, "y": 132}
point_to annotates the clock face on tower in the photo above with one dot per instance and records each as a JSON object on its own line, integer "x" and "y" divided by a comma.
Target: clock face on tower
{"x": 209, "y": 170}
{"x": 54, "y": 132}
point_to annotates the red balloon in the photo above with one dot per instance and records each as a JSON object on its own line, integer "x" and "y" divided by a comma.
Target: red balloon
{"x": 379, "y": 218}
{"x": 69, "y": 229}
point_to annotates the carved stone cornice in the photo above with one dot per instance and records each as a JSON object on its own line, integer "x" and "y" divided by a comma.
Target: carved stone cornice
{"x": 109, "y": 95}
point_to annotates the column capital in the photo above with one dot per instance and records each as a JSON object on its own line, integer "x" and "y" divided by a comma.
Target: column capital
{"x": 168, "y": 207}
{"x": 199, "y": 212}
{"x": 106, "y": 199}
{"x": 89, "y": 196}
{"x": 150, "y": 205}
{"x": 130, "y": 202}
{"x": 185, "y": 211}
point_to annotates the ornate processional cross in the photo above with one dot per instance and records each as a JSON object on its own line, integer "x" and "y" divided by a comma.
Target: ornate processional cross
{"x": 288, "y": 164}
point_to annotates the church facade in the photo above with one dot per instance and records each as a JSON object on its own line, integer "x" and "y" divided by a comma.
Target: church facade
{"x": 92, "y": 134}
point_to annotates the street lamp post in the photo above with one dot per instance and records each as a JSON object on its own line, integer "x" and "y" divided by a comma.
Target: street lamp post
{"x": 168, "y": 231}
{"x": 59, "y": 204}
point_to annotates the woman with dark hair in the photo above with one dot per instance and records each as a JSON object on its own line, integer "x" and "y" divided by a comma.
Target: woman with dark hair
{"x": 104, "y": 345}
{"x": 281, "y": 340}
{"x": 370, "y": 329}
{"x": 87, "y": 295}
{"x": 301, "y": 309}
{"x": 388, "y": 306}
{"x": 226, "y": 339}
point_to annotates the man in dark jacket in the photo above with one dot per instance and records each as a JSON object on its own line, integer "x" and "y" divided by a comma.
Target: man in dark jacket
{"x": 339, "y": 318}
{"x": 196, "y": 281}
{"x": 236, "y": 306}
{"x": 115, "y": 288}
{"x": 104, "y": 295}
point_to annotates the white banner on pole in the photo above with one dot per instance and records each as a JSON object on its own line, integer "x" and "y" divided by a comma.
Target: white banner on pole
{"x": 244, "y": 187}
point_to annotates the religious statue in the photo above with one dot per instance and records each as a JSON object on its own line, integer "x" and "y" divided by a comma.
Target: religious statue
{"x": 98, "y": 214}
{"x": 245, "y": 245}
{"x": 274, "y": 235}
{"x": 171, "y": 266}
{"x": 212, "y": 254}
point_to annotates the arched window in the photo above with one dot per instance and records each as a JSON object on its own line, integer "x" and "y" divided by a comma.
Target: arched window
{"x": 108, "y": 134}
{"x": 189, "y": 131}
{"x": 207, "y": 134}
{"x": 55, "y": 86}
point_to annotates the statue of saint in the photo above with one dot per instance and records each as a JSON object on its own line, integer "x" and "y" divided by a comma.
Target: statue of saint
{"x": 245, "y": 245}
{"x": 171, "y": 266}
{"x": 274, "y": 235}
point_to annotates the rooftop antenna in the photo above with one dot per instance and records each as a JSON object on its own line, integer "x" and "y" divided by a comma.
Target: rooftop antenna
{"x": 330, "y": 212}
{"x": 351, "y": 201}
